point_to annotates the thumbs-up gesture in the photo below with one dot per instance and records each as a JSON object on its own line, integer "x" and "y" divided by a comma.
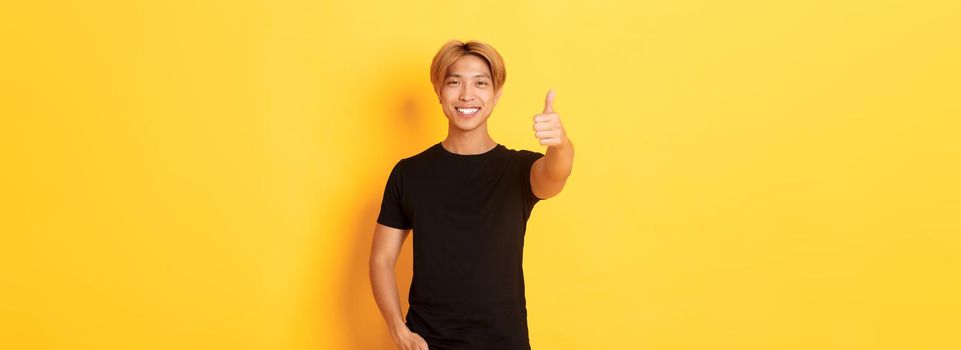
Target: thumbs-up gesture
{"x": 547, "y": 125}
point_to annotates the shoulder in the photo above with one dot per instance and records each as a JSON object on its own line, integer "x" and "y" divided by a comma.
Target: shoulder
{"x": 428, "y": 152}
{"x": 524, "y": 155}
{"x": 413, "y": 161}
{"x": 421, "y": 158}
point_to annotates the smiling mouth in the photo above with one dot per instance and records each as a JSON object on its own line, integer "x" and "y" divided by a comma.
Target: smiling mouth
{"x": 468, "y": 110}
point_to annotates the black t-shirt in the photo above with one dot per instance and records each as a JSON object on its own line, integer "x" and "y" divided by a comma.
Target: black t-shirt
{"x": 469, "y": 215}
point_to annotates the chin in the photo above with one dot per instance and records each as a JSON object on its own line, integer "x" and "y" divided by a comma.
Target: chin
{"x": 466, "y": 125}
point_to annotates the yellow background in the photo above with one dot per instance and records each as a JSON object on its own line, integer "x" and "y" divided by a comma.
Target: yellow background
{"x": 749, "y": 174}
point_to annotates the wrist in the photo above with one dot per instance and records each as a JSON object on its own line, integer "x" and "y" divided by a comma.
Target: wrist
{"x": 563, "y": 146}
{"x": 398, "y": 328}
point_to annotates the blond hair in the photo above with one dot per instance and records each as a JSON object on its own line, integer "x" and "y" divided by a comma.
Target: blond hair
{"x": 454, "y": 49}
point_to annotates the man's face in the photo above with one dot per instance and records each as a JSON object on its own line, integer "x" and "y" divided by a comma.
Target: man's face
{"x": 467, "y": 95}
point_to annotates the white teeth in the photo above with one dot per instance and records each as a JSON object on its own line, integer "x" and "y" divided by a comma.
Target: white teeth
{"x": 468, "y": 110}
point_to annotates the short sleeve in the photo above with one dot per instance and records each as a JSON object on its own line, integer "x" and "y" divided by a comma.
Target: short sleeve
{"x": 527, "y": 159}
{"x": 391, "y": 206}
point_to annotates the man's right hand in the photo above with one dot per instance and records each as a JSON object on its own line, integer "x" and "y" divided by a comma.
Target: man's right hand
{"x": 407, "y": 340}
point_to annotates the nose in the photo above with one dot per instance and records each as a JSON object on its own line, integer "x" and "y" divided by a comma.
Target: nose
{"x": 466, "y": 94}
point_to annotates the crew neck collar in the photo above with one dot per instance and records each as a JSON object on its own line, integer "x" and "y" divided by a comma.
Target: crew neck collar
{"x": 440, "y": 146}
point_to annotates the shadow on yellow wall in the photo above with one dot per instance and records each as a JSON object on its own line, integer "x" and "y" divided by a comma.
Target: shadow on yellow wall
{"x": 402, "y": 125}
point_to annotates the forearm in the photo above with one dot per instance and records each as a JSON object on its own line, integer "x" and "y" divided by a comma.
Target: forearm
{"x": 384, "y": 285}
{"x": 559, "y": 160}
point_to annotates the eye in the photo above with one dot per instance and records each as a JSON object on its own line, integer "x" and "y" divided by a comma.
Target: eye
{"x": 482, "y": 83}
{"x": 452, "y": 82}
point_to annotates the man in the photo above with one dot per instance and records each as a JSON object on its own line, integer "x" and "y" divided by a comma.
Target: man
{"x": 467, "y": 198}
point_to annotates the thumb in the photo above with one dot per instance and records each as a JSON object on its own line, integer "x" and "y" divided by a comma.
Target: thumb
{"x": 549, "y": 102}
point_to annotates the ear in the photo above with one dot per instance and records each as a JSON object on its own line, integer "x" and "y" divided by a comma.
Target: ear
{"x": 497, "y": 96}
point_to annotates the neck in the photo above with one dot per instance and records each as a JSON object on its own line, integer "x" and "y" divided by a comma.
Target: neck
{"x": 468, "y": 142}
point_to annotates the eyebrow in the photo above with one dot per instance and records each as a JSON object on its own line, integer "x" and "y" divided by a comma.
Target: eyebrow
{"x": 475, "y": 75}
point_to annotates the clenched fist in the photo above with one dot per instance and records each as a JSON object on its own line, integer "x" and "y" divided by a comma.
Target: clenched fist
{"x": 547, "y": 125}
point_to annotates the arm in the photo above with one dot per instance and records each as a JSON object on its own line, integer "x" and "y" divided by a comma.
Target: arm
{"x": 550, "y": 172}
{"x": 383, "y": 256}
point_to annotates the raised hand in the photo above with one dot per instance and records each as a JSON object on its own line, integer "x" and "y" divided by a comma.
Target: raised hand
{"x": 547, "y": 125}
